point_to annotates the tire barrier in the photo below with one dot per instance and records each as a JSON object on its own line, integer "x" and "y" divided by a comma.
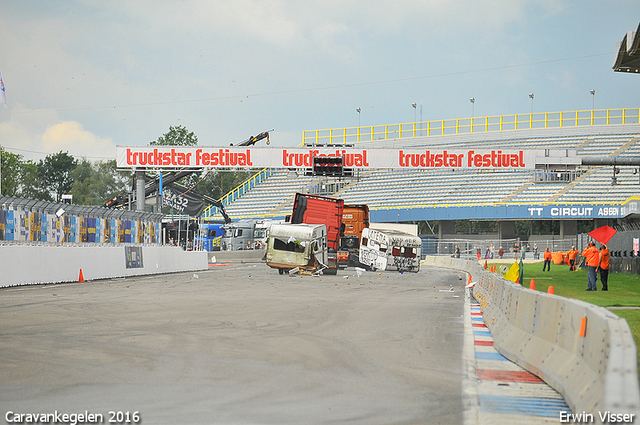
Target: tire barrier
{"x": 583, "y": 351}
{"x": 36, "y": 264}
{"x": 28, "y": 220}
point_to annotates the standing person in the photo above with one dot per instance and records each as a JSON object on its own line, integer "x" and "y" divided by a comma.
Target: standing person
{"x": 500, "y": 252}
{"x": 592, "y": 258}
{"x": 604, "y": 266}
{"x": 524, "y": 251}
{"x": 536, "y": 254}
{"x": 456, "y": 253}
{"x": 547, "y": 260}
{"x": 572, "y": 254}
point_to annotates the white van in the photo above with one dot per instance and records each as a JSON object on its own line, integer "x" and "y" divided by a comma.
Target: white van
{"x": 390, "y": 250}
{"x": 297, "y": 245}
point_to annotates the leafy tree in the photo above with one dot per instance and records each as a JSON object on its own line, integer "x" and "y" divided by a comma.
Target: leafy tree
{"x": 83, "y": 177}
{"x": 95, "y": 183}
{"x": 219, "y": 183}
{"x": 31, "y": 185}
{"x": 55, "y": 173}
{"x": 10, "y": 164}
{"x": 177, "y": 136}
{"x": 180, "y": 136}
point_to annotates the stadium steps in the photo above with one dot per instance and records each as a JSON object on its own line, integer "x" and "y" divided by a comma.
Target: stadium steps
{"x": 281, "y": 206}
{"x": 363, "y": 176}
{"x": 518, "y": 191}
{"x": 571, "y": 185}
{"x": 625, "y": 147}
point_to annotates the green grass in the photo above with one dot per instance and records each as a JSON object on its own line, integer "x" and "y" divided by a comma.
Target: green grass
{"x": 624, "y": 290}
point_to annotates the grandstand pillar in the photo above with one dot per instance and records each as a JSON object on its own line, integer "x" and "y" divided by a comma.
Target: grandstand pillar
{"x": 140, "y": 183}
{"x": 446, "y": 227}
{"x": 568, "y": 229}
{"x": 506, "y": 229}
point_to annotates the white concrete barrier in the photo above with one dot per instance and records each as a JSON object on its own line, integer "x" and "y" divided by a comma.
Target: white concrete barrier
{"x": 585, "y": 352}
{"x": 27, "y": 264}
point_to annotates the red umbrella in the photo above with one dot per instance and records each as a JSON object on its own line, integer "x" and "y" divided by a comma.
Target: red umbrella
{"x": 603, "y": 234}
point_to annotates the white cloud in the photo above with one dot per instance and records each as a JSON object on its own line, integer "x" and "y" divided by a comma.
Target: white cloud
{"x": 36, "y": 134}
{"x": 71, "y": 136}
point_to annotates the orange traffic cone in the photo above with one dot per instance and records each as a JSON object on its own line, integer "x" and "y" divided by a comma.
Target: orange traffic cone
{"x": 469, "y": 281}
{"x": 81, "y": 277}
{"x": 485, "y": 264}
{"x": 550, "y": 290}
{"x": 532, "y": 284}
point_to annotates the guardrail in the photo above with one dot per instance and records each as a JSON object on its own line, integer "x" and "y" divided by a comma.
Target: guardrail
{"x": 583, "y": 351}
{"x": 473, "y": 125}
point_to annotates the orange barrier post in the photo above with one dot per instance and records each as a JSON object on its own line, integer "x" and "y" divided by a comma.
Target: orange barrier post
{"x": 583, "y": 327}
{"x": 532, "y": 284}
{"x": 550, "y": 290}
{"x": 80, "y": 277}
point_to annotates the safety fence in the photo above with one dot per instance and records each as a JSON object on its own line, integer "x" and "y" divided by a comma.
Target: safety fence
{"x": 583, "y": 351}
{"x": 536, "y": 120}
{"x": 33, "y": 221}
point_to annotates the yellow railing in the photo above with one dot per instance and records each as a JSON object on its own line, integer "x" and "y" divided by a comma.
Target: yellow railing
{"x": 211, "y": 211}
{"x": 534, "y": 120}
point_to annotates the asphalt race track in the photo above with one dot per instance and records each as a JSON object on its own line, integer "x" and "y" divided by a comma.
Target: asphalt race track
{"x": 239, "y": 344}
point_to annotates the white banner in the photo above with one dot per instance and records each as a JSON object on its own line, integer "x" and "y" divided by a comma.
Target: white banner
{"x": 177, "y": 157}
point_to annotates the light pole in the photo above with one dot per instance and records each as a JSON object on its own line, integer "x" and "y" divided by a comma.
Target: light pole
{"x": 415, "y": 106}
{"x": 593, "y": 99}
{"x": 358, "y": 110}
{"x": 473, "y": 107}
{"x": 531, "y": 96}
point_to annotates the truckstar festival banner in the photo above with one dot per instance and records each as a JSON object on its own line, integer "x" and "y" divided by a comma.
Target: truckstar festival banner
{"x": 173, "y": 157}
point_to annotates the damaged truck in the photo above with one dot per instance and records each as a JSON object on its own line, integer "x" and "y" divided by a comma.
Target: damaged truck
{"x": 390, "y": 249}
{"x": 302, "y": 246}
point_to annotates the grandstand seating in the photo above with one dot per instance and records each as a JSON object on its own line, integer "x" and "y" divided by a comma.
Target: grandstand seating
{"x": 409, "y": 188}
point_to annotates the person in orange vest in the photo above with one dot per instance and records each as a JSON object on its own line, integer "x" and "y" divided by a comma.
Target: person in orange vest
{"x": 592, "y": 258}
{"x": 604, "y": 266}
{"x": 572, "y": 254}
{"x": 547, "y": 260}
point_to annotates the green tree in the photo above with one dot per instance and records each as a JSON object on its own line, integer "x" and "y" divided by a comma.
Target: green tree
{"x": 95, "y": 183}
{"x": 10, "y": 165}
{"x": 180, "y": 136}
{"x": 31, "y": 185}
{"x": 218, "y": 183}
{"x": 55, "y": 173}
{"x": 177, "y": 136}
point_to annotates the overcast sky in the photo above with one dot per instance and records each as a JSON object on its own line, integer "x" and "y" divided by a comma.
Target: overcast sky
{"x": 84, "y": 76}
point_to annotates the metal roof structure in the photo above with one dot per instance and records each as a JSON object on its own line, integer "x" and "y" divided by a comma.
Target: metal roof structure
{"x": 628, "y": 53}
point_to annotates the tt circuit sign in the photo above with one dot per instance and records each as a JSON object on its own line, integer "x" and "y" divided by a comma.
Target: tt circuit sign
{"x": 192, "y": 157}
{"x": 587, "y": 211}
{"x": 582, "y": 212}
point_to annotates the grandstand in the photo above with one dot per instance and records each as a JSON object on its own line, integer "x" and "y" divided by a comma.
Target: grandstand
{"x": 432, "y": 194}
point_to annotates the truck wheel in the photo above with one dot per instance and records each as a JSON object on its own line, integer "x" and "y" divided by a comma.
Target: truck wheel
{"x": 281, "y": 271}
{"x": 330, "y": 270}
